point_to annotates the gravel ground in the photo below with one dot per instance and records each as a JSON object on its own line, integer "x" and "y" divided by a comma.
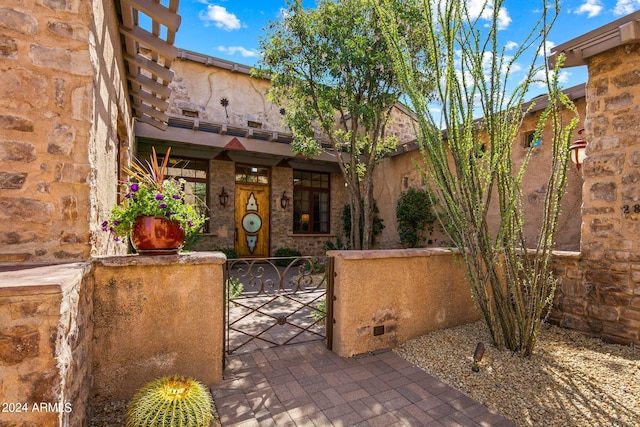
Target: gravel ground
{"x": 571, "y": 380}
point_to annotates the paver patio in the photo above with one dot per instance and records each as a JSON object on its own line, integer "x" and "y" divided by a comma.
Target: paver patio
{"x": 308, "y": 385}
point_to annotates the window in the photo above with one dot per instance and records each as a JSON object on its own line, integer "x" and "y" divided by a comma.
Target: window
{"x": 310, "y": 202}
{"x": 252, "y": 174}
{"x": 529, "y": 140}
{"x": 194, "y": 172}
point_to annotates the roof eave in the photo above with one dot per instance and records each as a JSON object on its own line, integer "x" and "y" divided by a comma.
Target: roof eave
{"x": 617, "y": 33}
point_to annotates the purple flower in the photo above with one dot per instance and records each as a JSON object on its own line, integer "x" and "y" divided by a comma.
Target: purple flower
{"x": 134, "y": 187}
{"x": 190, "y": 223}
{"x": 128, "y": 196}
{"x": 167, "y": 214}
{"x": 176, "y": 196}
{"x": 117, "y": 239}
{"x": 159, "y": 196}
{"x": 116, "y": 222}
{"x": 104, "y": 224}
{"x": 162, "y": 205}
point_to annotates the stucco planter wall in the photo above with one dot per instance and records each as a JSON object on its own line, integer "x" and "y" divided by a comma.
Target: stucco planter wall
{"x": 409, "y": 292}
{"x": 156, "y": 316}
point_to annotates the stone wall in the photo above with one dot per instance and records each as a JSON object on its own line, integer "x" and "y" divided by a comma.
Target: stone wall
{"x": 608, "y": 303}
{"x": 45, "y": 345}
{"x": 60, "y": 98}
{"x": 591, "y": 297}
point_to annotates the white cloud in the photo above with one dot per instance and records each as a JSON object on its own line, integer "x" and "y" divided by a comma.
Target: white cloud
{"x": 625, "y": 7}
{"x": 510, "y": 45}
{"x": 540, "y": 78}
{"x": 545, "y": 50}
{"x": 503, "y": 19}
{"x": 232, "y": 50}
{"x": 476, "y": 10}
{"x": 590, "y": 7}
{"x": 220, "y": 17}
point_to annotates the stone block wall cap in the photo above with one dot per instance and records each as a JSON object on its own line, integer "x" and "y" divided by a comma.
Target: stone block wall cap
{"x": 181, "y": 258}
{"x": 391, "y": 253}
{"x": 39, "y": 279}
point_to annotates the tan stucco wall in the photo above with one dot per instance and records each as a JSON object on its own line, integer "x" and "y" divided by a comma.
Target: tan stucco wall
{"x": 156, "y": 316}
{"x": 60, "y": 96}
{"x": 410, "y": 292}
{"x": 398, "y": 173}
{"x": 199, "y": 87}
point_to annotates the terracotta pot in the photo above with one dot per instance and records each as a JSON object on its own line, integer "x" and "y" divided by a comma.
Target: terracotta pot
{"x": 156, "y": 236}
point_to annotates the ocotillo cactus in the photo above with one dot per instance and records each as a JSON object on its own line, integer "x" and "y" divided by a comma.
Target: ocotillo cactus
{"x": 171, "y": 401}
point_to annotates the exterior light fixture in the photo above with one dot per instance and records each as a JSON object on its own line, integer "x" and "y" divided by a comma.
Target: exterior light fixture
{"x": 477, "y": 357}
{"x": 578, "y": 150}
{"x": 224, "y": 198}
{"x": 284, "y": 200}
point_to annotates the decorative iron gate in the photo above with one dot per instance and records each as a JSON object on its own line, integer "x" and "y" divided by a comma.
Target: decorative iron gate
{"x": 277, "y": 301}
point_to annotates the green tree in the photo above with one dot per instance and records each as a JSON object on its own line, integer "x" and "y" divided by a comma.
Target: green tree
{"x": 329, "y": 67}
{"x": 513, "y": 286}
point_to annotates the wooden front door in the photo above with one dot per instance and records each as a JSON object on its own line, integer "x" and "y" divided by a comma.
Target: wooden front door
{"x": 252, "y": 220}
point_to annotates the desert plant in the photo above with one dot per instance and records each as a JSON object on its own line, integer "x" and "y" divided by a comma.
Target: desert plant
{"x": 171, "y": 401}
{"x": 415, "y": 216}
{"x": 320, "y": 312}
{"x": 234, "y": 288}
{"x": 469, "y": 167}
{"x": 286, "y": 253}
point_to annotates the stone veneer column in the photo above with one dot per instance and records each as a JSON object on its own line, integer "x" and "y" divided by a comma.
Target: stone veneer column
{"x": 59, "y": 86}
{"x": 610, "y": 302}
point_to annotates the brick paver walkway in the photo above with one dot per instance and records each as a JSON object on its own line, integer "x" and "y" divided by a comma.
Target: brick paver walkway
{"x": 308, "y": 385}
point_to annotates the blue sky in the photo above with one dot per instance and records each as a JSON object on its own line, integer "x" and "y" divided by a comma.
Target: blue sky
{"x": 231, "y": 29}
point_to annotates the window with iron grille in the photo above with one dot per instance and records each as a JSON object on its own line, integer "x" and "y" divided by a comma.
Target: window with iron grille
{"x": 311, "y": 206}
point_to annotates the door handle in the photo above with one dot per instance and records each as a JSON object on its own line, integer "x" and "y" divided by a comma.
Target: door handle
{"x": 235, "y": 234}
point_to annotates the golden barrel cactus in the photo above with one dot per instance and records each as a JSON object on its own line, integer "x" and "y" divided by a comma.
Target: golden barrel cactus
{"x": 171, "y": 401}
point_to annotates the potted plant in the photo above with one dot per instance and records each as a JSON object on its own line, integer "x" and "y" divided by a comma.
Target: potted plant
{"x": 153, "y": 211}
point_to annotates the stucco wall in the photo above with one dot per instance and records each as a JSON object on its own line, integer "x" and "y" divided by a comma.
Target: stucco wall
{"x": 198, "y": 87}
{"x": 156, "y": 316}
{"x": 398, "y": 173}
{"x": 410, "y": 292}
{"x": 60, "y": 95}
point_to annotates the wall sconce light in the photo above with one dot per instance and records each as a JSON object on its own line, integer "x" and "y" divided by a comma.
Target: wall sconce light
{"x": 284, "y": 200}
{"x": 224, "y": 197}
{"x": 578, "y": 150}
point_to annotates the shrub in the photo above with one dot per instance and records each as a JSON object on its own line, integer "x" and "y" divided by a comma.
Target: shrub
{"x": 171, "y": 401}
{"x": 415, "y": 216}
{"x": 286, "y": 253}
{"x": 230, "y": 253}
